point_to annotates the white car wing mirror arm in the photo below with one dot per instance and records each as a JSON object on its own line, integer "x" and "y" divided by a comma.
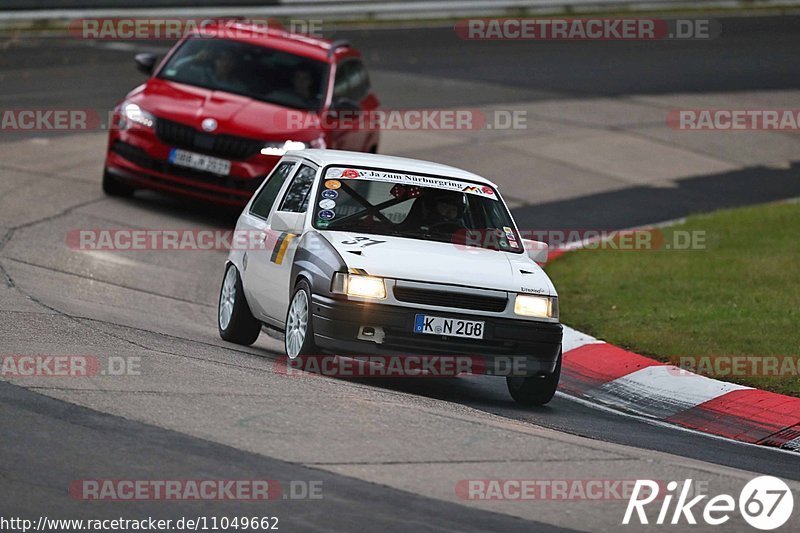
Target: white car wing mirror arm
{"x": 286, "y": 221}
{"x": 536, "y": 250}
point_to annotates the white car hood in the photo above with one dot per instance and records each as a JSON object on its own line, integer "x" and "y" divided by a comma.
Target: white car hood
{"x": 438, "y": 262}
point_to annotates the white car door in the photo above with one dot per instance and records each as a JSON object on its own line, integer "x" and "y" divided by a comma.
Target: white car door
{"x": 272, "y": 265}
{"x": 255, "y": 222}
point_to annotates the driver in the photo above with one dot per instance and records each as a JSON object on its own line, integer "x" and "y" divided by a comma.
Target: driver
{"x": 303, "y": 84}
{"x": 444, "y": 209}
{"x": 304, "y": 87}
{"x": 213, "y": 66}
{"x": 224, "y": 74}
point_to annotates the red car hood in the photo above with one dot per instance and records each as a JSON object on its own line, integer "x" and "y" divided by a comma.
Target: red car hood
{"x": 235, "y": 115}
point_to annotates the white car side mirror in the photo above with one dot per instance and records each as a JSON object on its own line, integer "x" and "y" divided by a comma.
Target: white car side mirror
{"x": 286, "y": 221}
{"x": 536, "y": 250}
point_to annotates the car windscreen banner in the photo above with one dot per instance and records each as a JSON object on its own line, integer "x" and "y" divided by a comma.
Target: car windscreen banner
{"x": 447, "y": 184}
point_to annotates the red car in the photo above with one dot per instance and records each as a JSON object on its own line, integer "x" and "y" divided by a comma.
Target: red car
{"x": 226, "y": 103}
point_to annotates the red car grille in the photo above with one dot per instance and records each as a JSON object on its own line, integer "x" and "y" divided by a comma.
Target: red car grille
{"x": 224, "y": 146}
{"x": 139, "y": 157}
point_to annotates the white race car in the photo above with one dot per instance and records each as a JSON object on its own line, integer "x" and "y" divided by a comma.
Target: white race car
{"x": 369, "y": 254}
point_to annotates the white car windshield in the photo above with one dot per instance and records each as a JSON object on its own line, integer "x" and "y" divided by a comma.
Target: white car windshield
{"x": 414, "y": 206}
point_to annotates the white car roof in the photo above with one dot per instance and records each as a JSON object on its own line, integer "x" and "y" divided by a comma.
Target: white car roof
{"x": 388, "y": 162}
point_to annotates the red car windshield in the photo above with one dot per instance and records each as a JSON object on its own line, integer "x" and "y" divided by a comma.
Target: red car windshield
{"x": 249, "y": 70}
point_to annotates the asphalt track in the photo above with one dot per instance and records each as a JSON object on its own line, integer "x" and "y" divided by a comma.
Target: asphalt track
{"x": 56, "y": 302}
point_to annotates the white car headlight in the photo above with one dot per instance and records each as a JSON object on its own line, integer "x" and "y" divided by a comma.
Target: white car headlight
{"x": 366, "y": 287}
{"x": 280, "y": 148}
{"x": 538, "y": 306}
{"x": 132, "y": 113}
{"x": 359, "y": 286}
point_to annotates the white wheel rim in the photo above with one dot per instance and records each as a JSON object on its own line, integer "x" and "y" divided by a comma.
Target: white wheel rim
{"x": 227, "y": 297}
{"x": 296, "y": 324}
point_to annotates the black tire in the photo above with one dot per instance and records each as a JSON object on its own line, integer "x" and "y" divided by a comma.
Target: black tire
{"x": 534, "y": 390}
{"x": 307, "y": 347}
{"x": 242, "y": 327}
{"x": 112, "y": 186}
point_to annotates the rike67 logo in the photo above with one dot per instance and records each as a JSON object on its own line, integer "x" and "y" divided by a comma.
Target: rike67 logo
{"x": 765, "y": 503}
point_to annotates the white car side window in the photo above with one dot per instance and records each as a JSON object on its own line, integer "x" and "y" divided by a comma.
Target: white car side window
{"x": 263, "y": 203}
{"x": 297, "y": 195}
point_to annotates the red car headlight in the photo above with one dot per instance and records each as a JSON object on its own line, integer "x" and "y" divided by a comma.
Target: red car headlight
{"x": 131, "y": 114}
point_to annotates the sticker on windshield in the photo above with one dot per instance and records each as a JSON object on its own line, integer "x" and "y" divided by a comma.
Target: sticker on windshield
{"x": 330, "y": 194}
{"x": 409, "y": 179}
{"x": 326, "y": 214}
{"x": 480, "y": 191}
{"x": 333, "y": 184}
{"x": 327, "y": 204}
{"x": 322, "y": 224}
{"x": 405, "y": 191}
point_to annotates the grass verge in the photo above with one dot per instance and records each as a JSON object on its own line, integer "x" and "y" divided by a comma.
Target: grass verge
{"x": 739, "y": 296}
